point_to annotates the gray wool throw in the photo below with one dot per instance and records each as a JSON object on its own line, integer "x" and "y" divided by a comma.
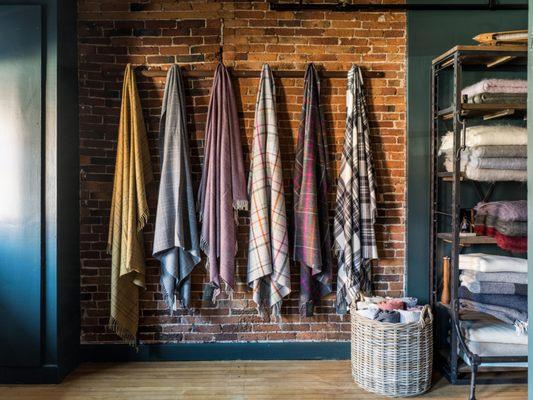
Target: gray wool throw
{"x": 508, "y": 277}
{"x": 176, "y": 243}
{"x": 506, "y": 314}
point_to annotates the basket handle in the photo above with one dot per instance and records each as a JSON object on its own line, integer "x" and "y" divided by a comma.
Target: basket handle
{"x": 426, "y": 312}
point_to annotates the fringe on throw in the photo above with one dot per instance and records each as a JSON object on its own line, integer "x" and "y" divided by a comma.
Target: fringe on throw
{"x": 521, "y": 327}
{"x": 123, "y": 333}
{"x": 240, "y": 205}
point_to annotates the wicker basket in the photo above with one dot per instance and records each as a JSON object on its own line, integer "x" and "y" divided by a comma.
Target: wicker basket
{"x": 394, "y": 360}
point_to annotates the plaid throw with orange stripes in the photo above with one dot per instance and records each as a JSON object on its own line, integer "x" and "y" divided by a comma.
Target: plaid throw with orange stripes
{"x": 312, "y": 242}
{"x": 268, "y": 249}
{"x": 355, "y": 214}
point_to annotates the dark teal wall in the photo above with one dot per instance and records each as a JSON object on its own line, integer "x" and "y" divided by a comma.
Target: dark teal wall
{"x": 430, "y": 34}
{"x": 58, "y": 333}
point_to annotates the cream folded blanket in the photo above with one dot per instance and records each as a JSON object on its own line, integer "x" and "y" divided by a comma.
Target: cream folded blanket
{"x": 488, "y": 349}
{"x": 492, "y": 263}
{"x": 488, "y": 135}
{"x": 496, "y": 86}
{"x": 492, "y": 331}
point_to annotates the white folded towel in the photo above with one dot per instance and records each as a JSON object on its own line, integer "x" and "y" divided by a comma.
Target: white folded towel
{"x": 492, "y": 263}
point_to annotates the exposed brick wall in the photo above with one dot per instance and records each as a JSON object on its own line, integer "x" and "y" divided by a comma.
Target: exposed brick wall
{"x": 160, "y": 32}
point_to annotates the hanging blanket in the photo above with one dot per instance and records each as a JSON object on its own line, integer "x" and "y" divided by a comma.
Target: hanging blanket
{"x": 176, "y": 242}
{"x": 355, "y": 214}
{"x": 509, "y": 277}
{"x": 491, "y": 263}
{"x": 496, "y": 86}
{"x": 223, "y": 185}
{"x": 504, "y": 210}
{"x": 129, "y": 213}
{"x": 312, "y": 243}
{"x": 488, "y": 135}
{"x": 498, "y": 98}
{"x": 506, "y": 314}
{"x": 489, "y": 287}
{"x": 268, "y": 248}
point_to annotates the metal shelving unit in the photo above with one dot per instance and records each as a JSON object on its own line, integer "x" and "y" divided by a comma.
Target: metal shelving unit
{"x": 449, "y": 337}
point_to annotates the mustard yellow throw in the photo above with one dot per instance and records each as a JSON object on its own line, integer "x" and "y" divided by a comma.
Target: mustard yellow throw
{"x": 129, "y": 213}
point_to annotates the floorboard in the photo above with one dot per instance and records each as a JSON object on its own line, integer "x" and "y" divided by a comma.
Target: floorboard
{"x": 254, "y": 380}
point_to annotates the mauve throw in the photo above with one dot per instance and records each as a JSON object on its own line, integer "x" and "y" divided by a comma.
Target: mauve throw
{"x": 504, "y": 210}
{"x": 268, "y": 247}
{"x": 508, "y": 228}
{"x": 223, "y": 185}
{"x": 312, "y": 242}
{"x": 176, "y": 242}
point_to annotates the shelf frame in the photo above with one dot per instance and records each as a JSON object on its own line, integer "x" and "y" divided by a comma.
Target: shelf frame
{"x": 458, "y": 113}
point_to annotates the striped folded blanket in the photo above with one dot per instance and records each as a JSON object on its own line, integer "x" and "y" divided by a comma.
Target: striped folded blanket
{"x": 490, "y": 287}
{"x": 489, "y": 175}
{"x": 508, "y": 228}
{"x": 498, "y": 98}
{"x": 506, "y": 314}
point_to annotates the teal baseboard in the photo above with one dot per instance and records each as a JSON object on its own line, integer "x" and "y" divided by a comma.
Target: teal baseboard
{"x": 47, "y": 374}
{"x": 216, "y": 351}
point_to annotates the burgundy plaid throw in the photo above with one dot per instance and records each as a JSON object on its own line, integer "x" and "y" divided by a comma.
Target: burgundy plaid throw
{"x": 312, "y": 243}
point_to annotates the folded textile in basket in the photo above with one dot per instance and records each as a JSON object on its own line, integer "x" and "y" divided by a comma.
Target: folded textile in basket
{"x": 498, "y": 98}
{"x": 369, "y": 313}
{"x": 410, "y": 315}
{"x": 515, "y": 244}
{"x": 504, "y": 210}
{"x": 513, "y": 301}
{"x": 492, "y": 331}
{"x": 506, "y": 314}
{"x": 492, "y": 263}
{"x": 391, "y": 316}
{"x": 392, "y": 304}
{"x": 489, "y": 175}
{"x": 488, "y": 349}
{"x": 496, "y": 86}
{"x": 488, "y": 135}
{"x": 489, "y": 287}
{"x": 508, "y": 228}
{"x": 508, "y": 277}
{"x": 498, "y": 163}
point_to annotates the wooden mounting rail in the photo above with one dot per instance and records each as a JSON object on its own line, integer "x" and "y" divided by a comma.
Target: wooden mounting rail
{"x": 244, "y": 73}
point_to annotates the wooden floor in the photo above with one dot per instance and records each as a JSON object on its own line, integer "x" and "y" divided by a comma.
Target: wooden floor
{"x": 295, "y": 380}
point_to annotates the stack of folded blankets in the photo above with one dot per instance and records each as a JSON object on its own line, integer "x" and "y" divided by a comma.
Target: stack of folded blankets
{"x": 495, "y": 285}
{"x": 506, "y": 221}
{"x": 492, "y": 153}
{"x": 489, "y": 337}
{"x": 497, "y": 91}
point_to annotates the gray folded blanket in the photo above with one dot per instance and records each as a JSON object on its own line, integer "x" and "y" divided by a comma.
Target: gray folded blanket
{"x": 515, "y": 302}
{"x": 503, "y": 98}
{"x": 509, "y": 277}
{"x": 509, "y": 315}
{"x": 497, "y": 151}
{"x": 487, "y": 287}
{"x": 508, "y": 228}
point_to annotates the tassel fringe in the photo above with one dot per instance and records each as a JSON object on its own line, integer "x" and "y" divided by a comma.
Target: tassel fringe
{"x": 124, "y": 334}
